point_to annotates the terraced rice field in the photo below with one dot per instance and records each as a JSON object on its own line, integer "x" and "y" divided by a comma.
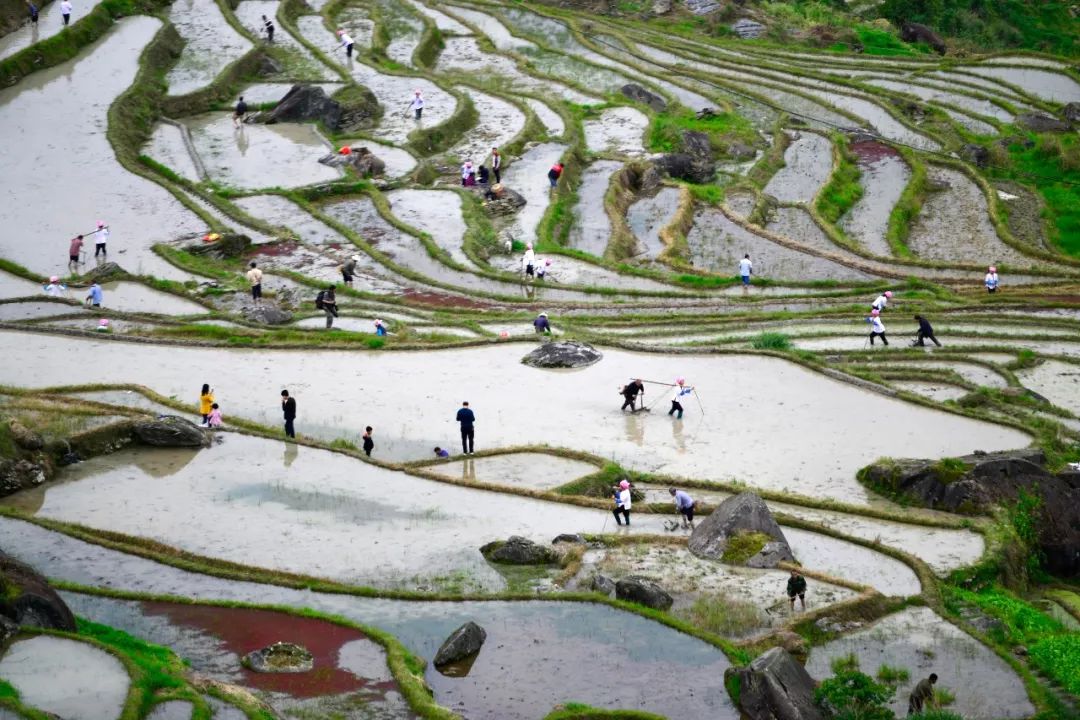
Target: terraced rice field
{"x": 839, "y": 176}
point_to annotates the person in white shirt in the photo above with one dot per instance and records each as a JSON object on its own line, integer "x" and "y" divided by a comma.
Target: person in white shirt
{"x": 346, "y": 42}
{"x": 681, "y": 393}
{"x": 102, "y": 233}
{"x": 877, "y": 328}
{"x": 991, "y": 280}
{"x": 622, "y": 503}
{"x": 745, "y": 268}
{"x": 496, "y": 164}
{"x": 65, "y": 11}
{"x": 417, "y": 104}
{"x": 881, "y": 301}
{"x": 528, "y": 261}
{"x": 254, "y": 276}
{"x": 54, "y": 288}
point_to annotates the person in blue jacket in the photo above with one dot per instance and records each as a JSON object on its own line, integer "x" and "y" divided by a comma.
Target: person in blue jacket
{"x": 466, "y": 417}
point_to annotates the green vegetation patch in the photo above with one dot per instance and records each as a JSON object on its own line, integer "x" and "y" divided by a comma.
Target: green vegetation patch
{"x": 949, "y": 470}
{"x": 722, "y": 615}
{"x": 771, "y": 341}
{"x": 724, "y": 129}
{"x": 744, "y": 545}
{"x": 853, "y": 695}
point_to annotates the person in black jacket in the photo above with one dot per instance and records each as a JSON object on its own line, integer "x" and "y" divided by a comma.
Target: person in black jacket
{"x": 796, "y": 588}
{"x": 924, "y": 332}
{"x": 466, "y": 417}
{"x": 288, "y": 407}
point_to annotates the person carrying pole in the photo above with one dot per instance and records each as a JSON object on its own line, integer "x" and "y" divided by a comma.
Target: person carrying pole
{"x": 877, "y": 328}
{"x": 630, "y": 393}
{"x": 102, "y": 239}
{"x": 345, "y": 41}
{"x": 74, "y": 251}
{"x": 925, "y": 332}
{"x": 680, "y": 394}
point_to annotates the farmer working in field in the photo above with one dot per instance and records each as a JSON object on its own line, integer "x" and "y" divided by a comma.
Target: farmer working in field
{"x": 630, "y": 392}
{"x": 796, "y": 587}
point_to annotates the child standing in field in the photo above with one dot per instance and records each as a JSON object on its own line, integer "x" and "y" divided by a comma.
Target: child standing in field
{"x": 214, "y": 418}
{"x": 206, "y": 402}
{"x": 369, "y": 444}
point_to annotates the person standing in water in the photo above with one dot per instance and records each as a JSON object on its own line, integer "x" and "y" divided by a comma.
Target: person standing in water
{"x": 467, "y": 418}
{"x": 417, "y": 105}
{"x": 74, "y": 250}
{"x": 206, "y": 402}
{"x": 346, "y": 42}
{"x": 921, "y": 695}
{"x": 528, "y": 261}
{"x": 745, "y": 268}
{"x": 33, "y": 12}
{"x": 254, "y": 276}
{"x": 684, "y": 504}
{"x": 239, "y": 113}
{"x": 877, "y": 328}
{"x": 268, "y": 27}
{"x": 348, "y": 270}
{"x": 95, "y": 297}
{"x": 680, "y": 394}
{"x": 496, "y": 164}
{"x": 326, "y": 301}
{"x": 369, "y": 444}
{"x": 65, "y": 11}
{"x": 796, "y": 588}
{"x": 101, "y": 240}
{"x": 630, "y": 392}
{"x": 288, "y": 409}
{"x": 991, "y": 280}
{"x": 543, "y": 327}
{"x": 622, "y": 503}
{"x": 554, "y": 174}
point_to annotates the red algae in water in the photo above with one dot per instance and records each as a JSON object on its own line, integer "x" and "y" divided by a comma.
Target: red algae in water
{"x": 242, "y": 630}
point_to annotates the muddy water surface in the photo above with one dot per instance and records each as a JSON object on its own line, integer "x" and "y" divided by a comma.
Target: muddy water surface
{"x": 818, "y": 459}
{"x": 272, "y": 92}
{"x": 920, "y": 641}
{"x": 91, "y": 182}
{"x": 50, "y": 22}
{"x": 528, "y": 175}
{"x": 648, "y": 216}
{"x": 435, "y": 212}
{"x": 592, "y": 227}
{"x": 618, "y": 130}
{"x": 210, "y": 45}
{"x": 67, "y": 678}
{"x": 1056, "y": 380}
{"x": 535, "y": 651}
{"x": 250, "y": 14}
{"x": 167, "y": 146}
{"x": 884, "y": 175}
{"x": 500, "y": 121}
{"x": 878, "y": 118}
{"x": 807, "y": 166}
{"x": 552, "y": 121}
{"x": 1043, "y": 84}
{"x": 532, "y": 470}
{"x": 442, "y": 21}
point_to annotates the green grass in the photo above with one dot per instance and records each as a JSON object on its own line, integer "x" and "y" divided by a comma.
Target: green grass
{"x": 580, "y": 711}
{"x": 1059, "y": 657}
{"x": 771, "y": 341}
{"x": 744, "y": 545}
{"x": 949, "y": 470}
{"x": 723, "y": 129}
{"x": 889, "y": 675}
{"x": 876, "y": 41}
{"x": 843, "y": 189}
{"x": 722, "y": 615}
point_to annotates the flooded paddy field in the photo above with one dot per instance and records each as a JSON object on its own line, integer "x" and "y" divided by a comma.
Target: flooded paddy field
{"x": 891, "y": 181}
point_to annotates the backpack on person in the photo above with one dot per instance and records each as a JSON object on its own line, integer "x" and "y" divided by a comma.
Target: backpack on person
{"x": 320, "y": 300}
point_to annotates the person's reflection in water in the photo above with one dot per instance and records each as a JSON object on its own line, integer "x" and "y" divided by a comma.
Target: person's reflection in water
{"x": 635, "y": 428}
{"x": 291, "y": 451}
{"x": 677, "y": 435}
{"x": 242, "y": 142}
{"x": 468, "y": 470}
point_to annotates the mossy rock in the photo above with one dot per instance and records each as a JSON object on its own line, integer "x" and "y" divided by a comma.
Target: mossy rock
{"x": 744, "y": 545}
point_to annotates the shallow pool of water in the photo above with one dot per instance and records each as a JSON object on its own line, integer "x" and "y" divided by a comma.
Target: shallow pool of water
{"x": 531, "y": 470}
{"x": 305, "y": 66}
{"x": 920, "y": 641}
{"x": 878, "y": 118}
{"x": 1043, "y": 84}
{"x": 528, "y": 175}
{"x": 807, "y": 166}
{"x": 551, "y": 120}
{"x": 884, "y": 175}
{"x": 166, "y": 145}
{"x": 50, "y": 22}
{"x": 1056, "y": 380}
{"x": 210, "y": 45}
{"x": 618, "y": 130}
{"x": 648, "y": 216}
{"x": 499, "y": 123}
{"x": 592, "y": 226}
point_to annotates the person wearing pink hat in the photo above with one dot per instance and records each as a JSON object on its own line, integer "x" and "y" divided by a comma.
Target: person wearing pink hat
{"x": 681, "y": 393}
{"x": 417, "y": 105}
{"x": 881, "y": 301}
{"x": 55, "y": 288}
{"x": 991, "y": 280}
{"x": 346, "y": 42}
{"x": 877, "y": 328}
{"x": 102, "y": 233}
{"x": 622, "y": 502}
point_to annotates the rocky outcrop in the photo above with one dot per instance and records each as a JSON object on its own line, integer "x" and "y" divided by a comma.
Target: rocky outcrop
{"x": 1071, "y": 113}
{"x": 738, "y": 517}
{"x": 643, "y": 591}
{"x": 748, "y": 29}
{"x": 266, "y": 313}
{"x": 639, "y": 94}
{"x": 979, "y": 482}
{"x": 360, "y": 159}
{"x": 519, "y": 551}
{"x": 571, "y": 538}
{"x": 28, "y": 600}
{"x": 221, "y": 246}
{"x": 281, "y": 657}
{"x": 563, "y": 354}
{"x": 506, "y": 201}
{"x": 701, "y": 7}
{"x": 918, "y": 33}
{"x": 171, "y": 431}
{"x": 348, "y": 109}
{"x": 683, "y": 166}
{"x": 105, "y": 272}
{"x": 602, "y": 584}
{"x": 24, "y": 437}
{"x": 1041, "y": 122}
{"x": 20, "y": 474}
{"x": 977, "y": 155}
{"x": 774, "y": 686}
{"x": 463, "y": 643}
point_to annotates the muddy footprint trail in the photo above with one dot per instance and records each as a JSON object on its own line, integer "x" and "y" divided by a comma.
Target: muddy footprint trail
{"x": 683, "y": 150}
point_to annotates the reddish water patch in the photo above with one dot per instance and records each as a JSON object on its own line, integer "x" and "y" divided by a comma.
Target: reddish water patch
{"x": 432, "y": 299}
{"x": 242, "y": 630}
{"x": 276, "y": 249}
{"x": 869, "y": 151}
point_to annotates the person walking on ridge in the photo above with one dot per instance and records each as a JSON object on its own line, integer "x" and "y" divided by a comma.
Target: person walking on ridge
{"x": 326, "y": 301}
{"x": 796, "y": 588}
{"x": 925, "y": 332}
{"x": 745, "y": 269}
{"x": 622, "y": 502}
{"x": 288, "y": 409}
{"x": 65, "y": 11}
{"x": 630, "y": 392}
{"x": 467, "y": 418}
{"x": 877, "y": 328}
{"x": 254, "y": 276}
{"x": 991, "y": 280}
{"x": 881, "y": 301}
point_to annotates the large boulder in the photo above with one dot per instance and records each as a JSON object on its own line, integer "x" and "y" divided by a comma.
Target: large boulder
{"x": 774, "y": 686}
{"x": 643, "y": 591}
{"x": 463, "y": 643}
{"x": 602, "y": 584}
{"x": 916, "y": 32}
{"x": 27, "y": 598}
{"x": 171, "y": 431}
{"x": 306, "y": 103}
{"x": 360, "y": 159}
{"x": 975, "y": 154}
{"x": 683, "y": 166}
{"x": 1071, "y": 113}
{"x": 979, "y": 482}
{"x": 741, "y": 530}
{"x": 1041, "y": 122}
{"x": 639, "y": 94}
{"x": 24, "y": 437}
{"x": 748, "y": 29}
{"x": 266, "y": 313}
{"x": 281, "y": 657}
{"x": 563, "y": 354}
{"x": 105, "y": 272}
{"x": 697, "y": 143}
{"x": 20, "y": 474}
{"x": 519, "y": 551}
{"x": 505, "y": 202}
